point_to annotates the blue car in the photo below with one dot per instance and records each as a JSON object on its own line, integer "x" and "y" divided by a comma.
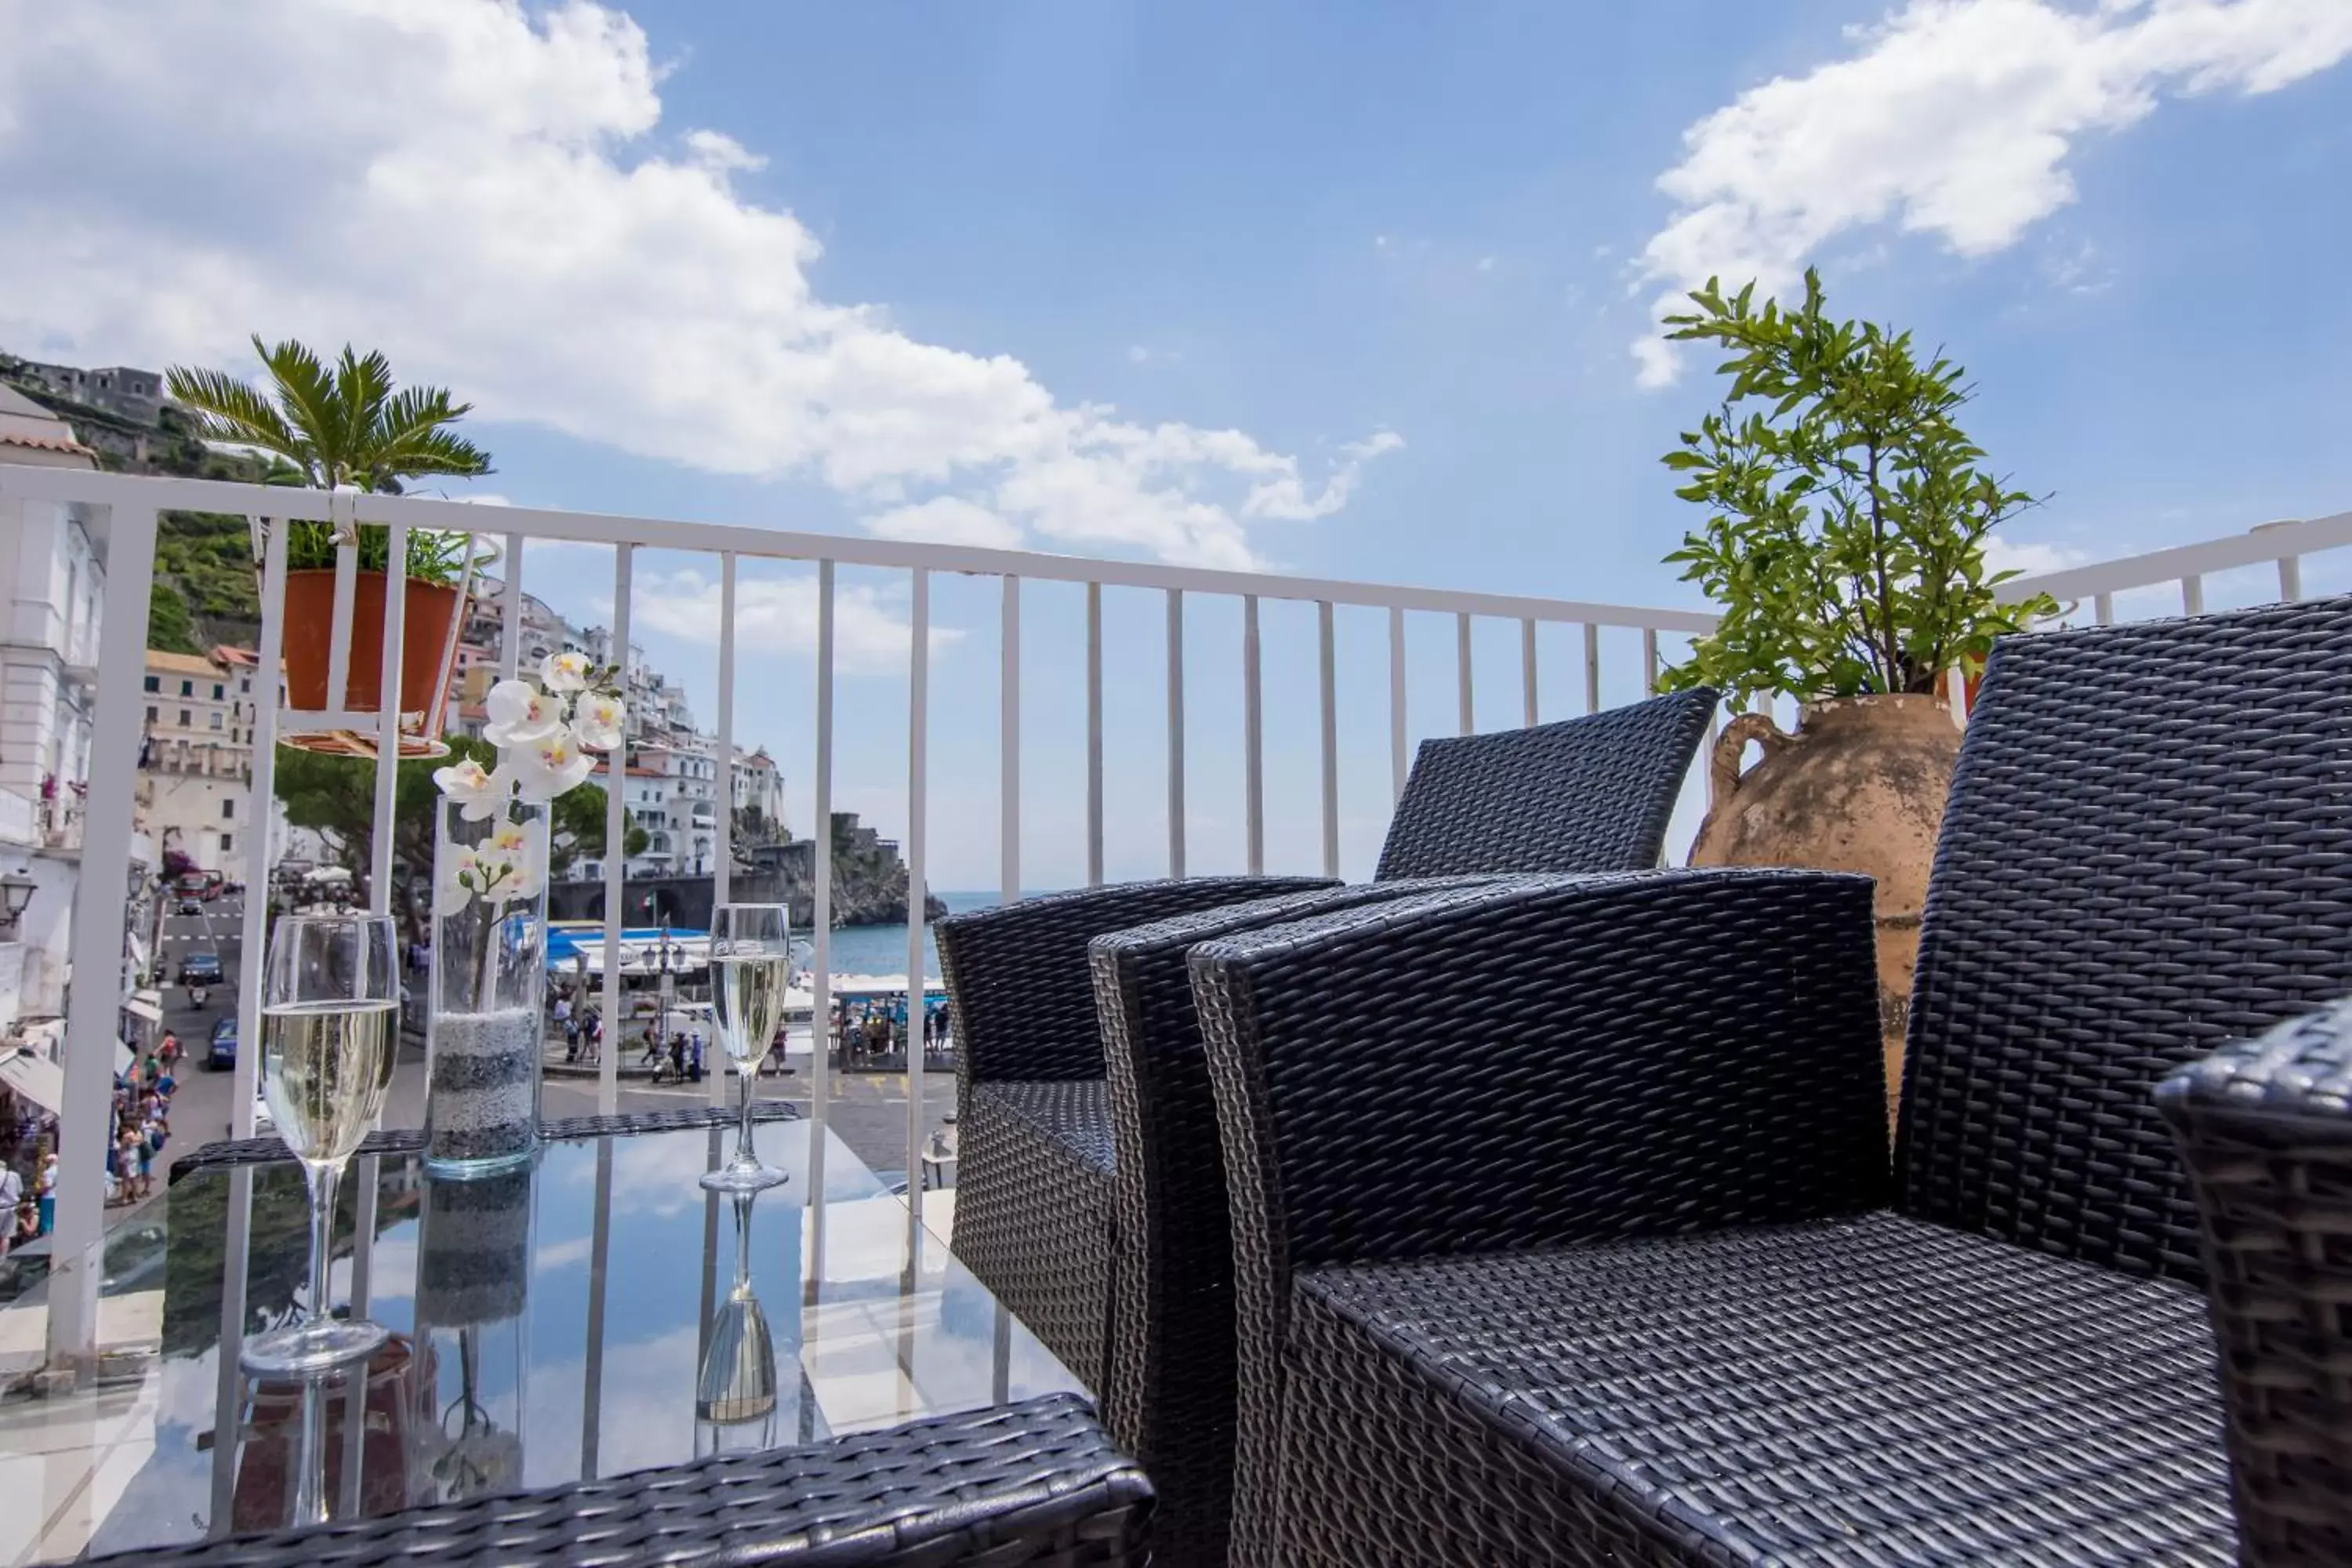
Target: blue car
{"x": 222, "y": 1052}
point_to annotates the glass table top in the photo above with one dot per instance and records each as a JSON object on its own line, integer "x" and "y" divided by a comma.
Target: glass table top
{"x": 593, "y": 1314}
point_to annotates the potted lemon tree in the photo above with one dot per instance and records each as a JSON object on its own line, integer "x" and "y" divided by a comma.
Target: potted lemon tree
{"x": 1844, "y": 544}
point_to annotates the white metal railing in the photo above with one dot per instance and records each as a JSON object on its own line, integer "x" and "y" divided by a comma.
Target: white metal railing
{"x": 134, "y": 503}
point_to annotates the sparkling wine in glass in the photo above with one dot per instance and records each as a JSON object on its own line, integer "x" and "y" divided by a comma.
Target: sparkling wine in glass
{"x": 329, "y": 1027}
{"x": 750, "y": 967}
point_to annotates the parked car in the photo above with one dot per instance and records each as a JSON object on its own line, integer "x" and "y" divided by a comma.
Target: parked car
{"x": 222, "y": 1052}
{"x": 200, "y": 968}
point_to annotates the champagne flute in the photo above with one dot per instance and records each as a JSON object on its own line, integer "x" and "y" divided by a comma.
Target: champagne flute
{"x": 330, "y": 1025}
{"x": 751, "y": 966}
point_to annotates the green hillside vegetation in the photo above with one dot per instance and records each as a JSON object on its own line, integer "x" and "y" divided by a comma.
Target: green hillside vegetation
{"x": 205, "y": 591}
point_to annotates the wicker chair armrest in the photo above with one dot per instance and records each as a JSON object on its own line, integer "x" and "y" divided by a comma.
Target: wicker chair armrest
{"x": 1035, "y": 1481}
{"x": 1548, "y": 1059}
{"x": 1018, "y": 983}
{"x": 2265, "y": 1131}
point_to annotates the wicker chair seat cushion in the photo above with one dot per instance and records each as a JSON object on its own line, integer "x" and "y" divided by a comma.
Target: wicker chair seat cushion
{"x": 1874, "y": 1391}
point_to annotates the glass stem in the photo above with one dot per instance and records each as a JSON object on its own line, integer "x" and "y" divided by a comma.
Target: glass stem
{"x": 323, "y": 1180}
{"x": 744, "y": 1154}
{"x": 310, "y": 1479}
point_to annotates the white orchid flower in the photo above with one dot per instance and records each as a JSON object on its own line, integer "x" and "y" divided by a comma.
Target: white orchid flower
{"x": 596, "y": 720}
{"x": 521, "y": 713}
{"x": 461, "y": 875}
{"x": 478, "y": 795}
{"x": 565, "y": 671}
{"x": 547, "y": 767}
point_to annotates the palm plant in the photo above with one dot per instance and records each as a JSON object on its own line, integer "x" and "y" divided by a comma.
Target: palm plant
{"x": 338, "y": 427}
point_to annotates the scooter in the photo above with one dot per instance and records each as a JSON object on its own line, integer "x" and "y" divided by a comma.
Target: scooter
{"x": 197, "y": 995}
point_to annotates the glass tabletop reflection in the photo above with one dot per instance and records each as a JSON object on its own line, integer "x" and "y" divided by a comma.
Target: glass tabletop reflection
{"x": 592, "y": 1313}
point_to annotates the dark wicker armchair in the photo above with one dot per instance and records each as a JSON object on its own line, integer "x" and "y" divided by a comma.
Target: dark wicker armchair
{"x": 1068, "y": 1184}
{"x": 1574, "y": 1239}
{"x": 2266, "y": 1130}
{"x": 1029, "y": 1483}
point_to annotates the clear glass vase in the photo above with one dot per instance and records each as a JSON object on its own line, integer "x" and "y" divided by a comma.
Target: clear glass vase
{"x": 484, "y": 1025}
{"x": 473, "y": 1281}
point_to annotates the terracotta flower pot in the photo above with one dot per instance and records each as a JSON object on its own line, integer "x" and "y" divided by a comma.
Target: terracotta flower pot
{"x": 431, "y": 609}
{"x": 1859, "y": 787}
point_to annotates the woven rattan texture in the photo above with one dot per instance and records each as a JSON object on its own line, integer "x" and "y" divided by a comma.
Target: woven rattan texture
{"x": 1586, "y": 794}
{"x": 1034, "y": 1210}
{"x": 1168, "y": 1390}
{"x": 1811, "y": 1394}
{"x": 1527, "y": 1064}
{"x": 1016, "y": 977}
{"x": 2266, "y": 1128}
{"x": 2147, "y": 853}
{"x": 1036, "y": 1483}
{"x": 410, "y": 1141}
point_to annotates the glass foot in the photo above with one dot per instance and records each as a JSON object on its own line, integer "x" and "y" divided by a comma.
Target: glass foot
{"x": 735, "y": 1178}
{"x": 312, "y": 1347}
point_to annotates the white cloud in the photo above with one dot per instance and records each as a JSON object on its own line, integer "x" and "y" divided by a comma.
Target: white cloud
{"x": 945, "y": 519}
{"x": 1137, "y": 354}
{"x": 2031, "y": 557}
{"x": 1953, "y": 119}
{"x": 871, "y": 633}
{"x": 489, "y": 192}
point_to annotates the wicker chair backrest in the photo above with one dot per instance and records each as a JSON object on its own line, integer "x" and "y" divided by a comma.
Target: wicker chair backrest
{"x": 1586, "y": 794}
{"x": 2147, "y": 853}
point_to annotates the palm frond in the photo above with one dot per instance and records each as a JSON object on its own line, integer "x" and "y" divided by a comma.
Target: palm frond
{"x": 229, "y": 412}
{"x": 307, "y": 392}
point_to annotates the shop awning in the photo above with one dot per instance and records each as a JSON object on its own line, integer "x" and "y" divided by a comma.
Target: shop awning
{"x": 140, "y": 1007}
{"x": 42, "y": 1083}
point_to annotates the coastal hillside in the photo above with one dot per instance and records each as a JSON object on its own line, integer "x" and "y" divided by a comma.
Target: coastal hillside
{"x": 203, "y": 591}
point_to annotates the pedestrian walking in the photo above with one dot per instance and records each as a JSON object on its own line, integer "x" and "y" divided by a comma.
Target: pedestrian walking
{"x": 45, "y": 1190}
{"x": 12, "y": 1198}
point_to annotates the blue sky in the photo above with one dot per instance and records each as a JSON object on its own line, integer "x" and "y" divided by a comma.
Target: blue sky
{"x": 1369, "y": 286}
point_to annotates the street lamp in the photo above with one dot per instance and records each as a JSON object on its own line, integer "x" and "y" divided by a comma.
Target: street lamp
{"x": 16, "y": 891}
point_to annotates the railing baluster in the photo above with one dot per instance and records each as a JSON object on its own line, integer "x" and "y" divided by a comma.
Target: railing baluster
{"x": 339, "y": 512}
{"x": 919, "y": 699}
{"x": 820, "y": 869}
{"x": 2192, "y": 594}
{"x": 1649, "y": 661}
{"x": 94, "y": 1007}
{"x": 1461, "y": 671}
{"x": 1528, "y": 670}
{"x": 1008, "y": 755}
{"x": 617, "y": 845}
{"x": 1094, "y": 736}
{"x": 1176, "y": 731}
{"x": 268, "y": 676}
{"x": 722, "y": 868}
{"x": 387, "y": 743}
{"x": 1397, "y": 760}
{"x": 2290, "y": 571}
{"x": 1330, "y": 705}
{"x": 2103, "y": 606}
{"x": 1592, "y": 667}
{"x": 510, "y": 635}
{"x": 1252, "y": 741}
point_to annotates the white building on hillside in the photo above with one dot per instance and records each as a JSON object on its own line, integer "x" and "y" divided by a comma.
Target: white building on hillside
{"x": 196, "y": 761}
{"x": 52, "y": 583}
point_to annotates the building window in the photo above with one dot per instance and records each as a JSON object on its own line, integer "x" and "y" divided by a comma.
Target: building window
{"x": 151, "y": 714}
{"x": 228, "y": 811}
{"x": 187, "y": 688}
{"x": 184, "y": 719}
{"x": 228, "y": 842}
{"x": 219, "y": 691}
{"x": 217, "y": 721}
{"x": 245, "y": 683}
{"x": 154, "y": 683}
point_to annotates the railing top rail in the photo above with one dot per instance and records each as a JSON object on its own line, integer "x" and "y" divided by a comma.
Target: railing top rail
{"x": 2257, "y": 547}
{"x": 597, "y": 528}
